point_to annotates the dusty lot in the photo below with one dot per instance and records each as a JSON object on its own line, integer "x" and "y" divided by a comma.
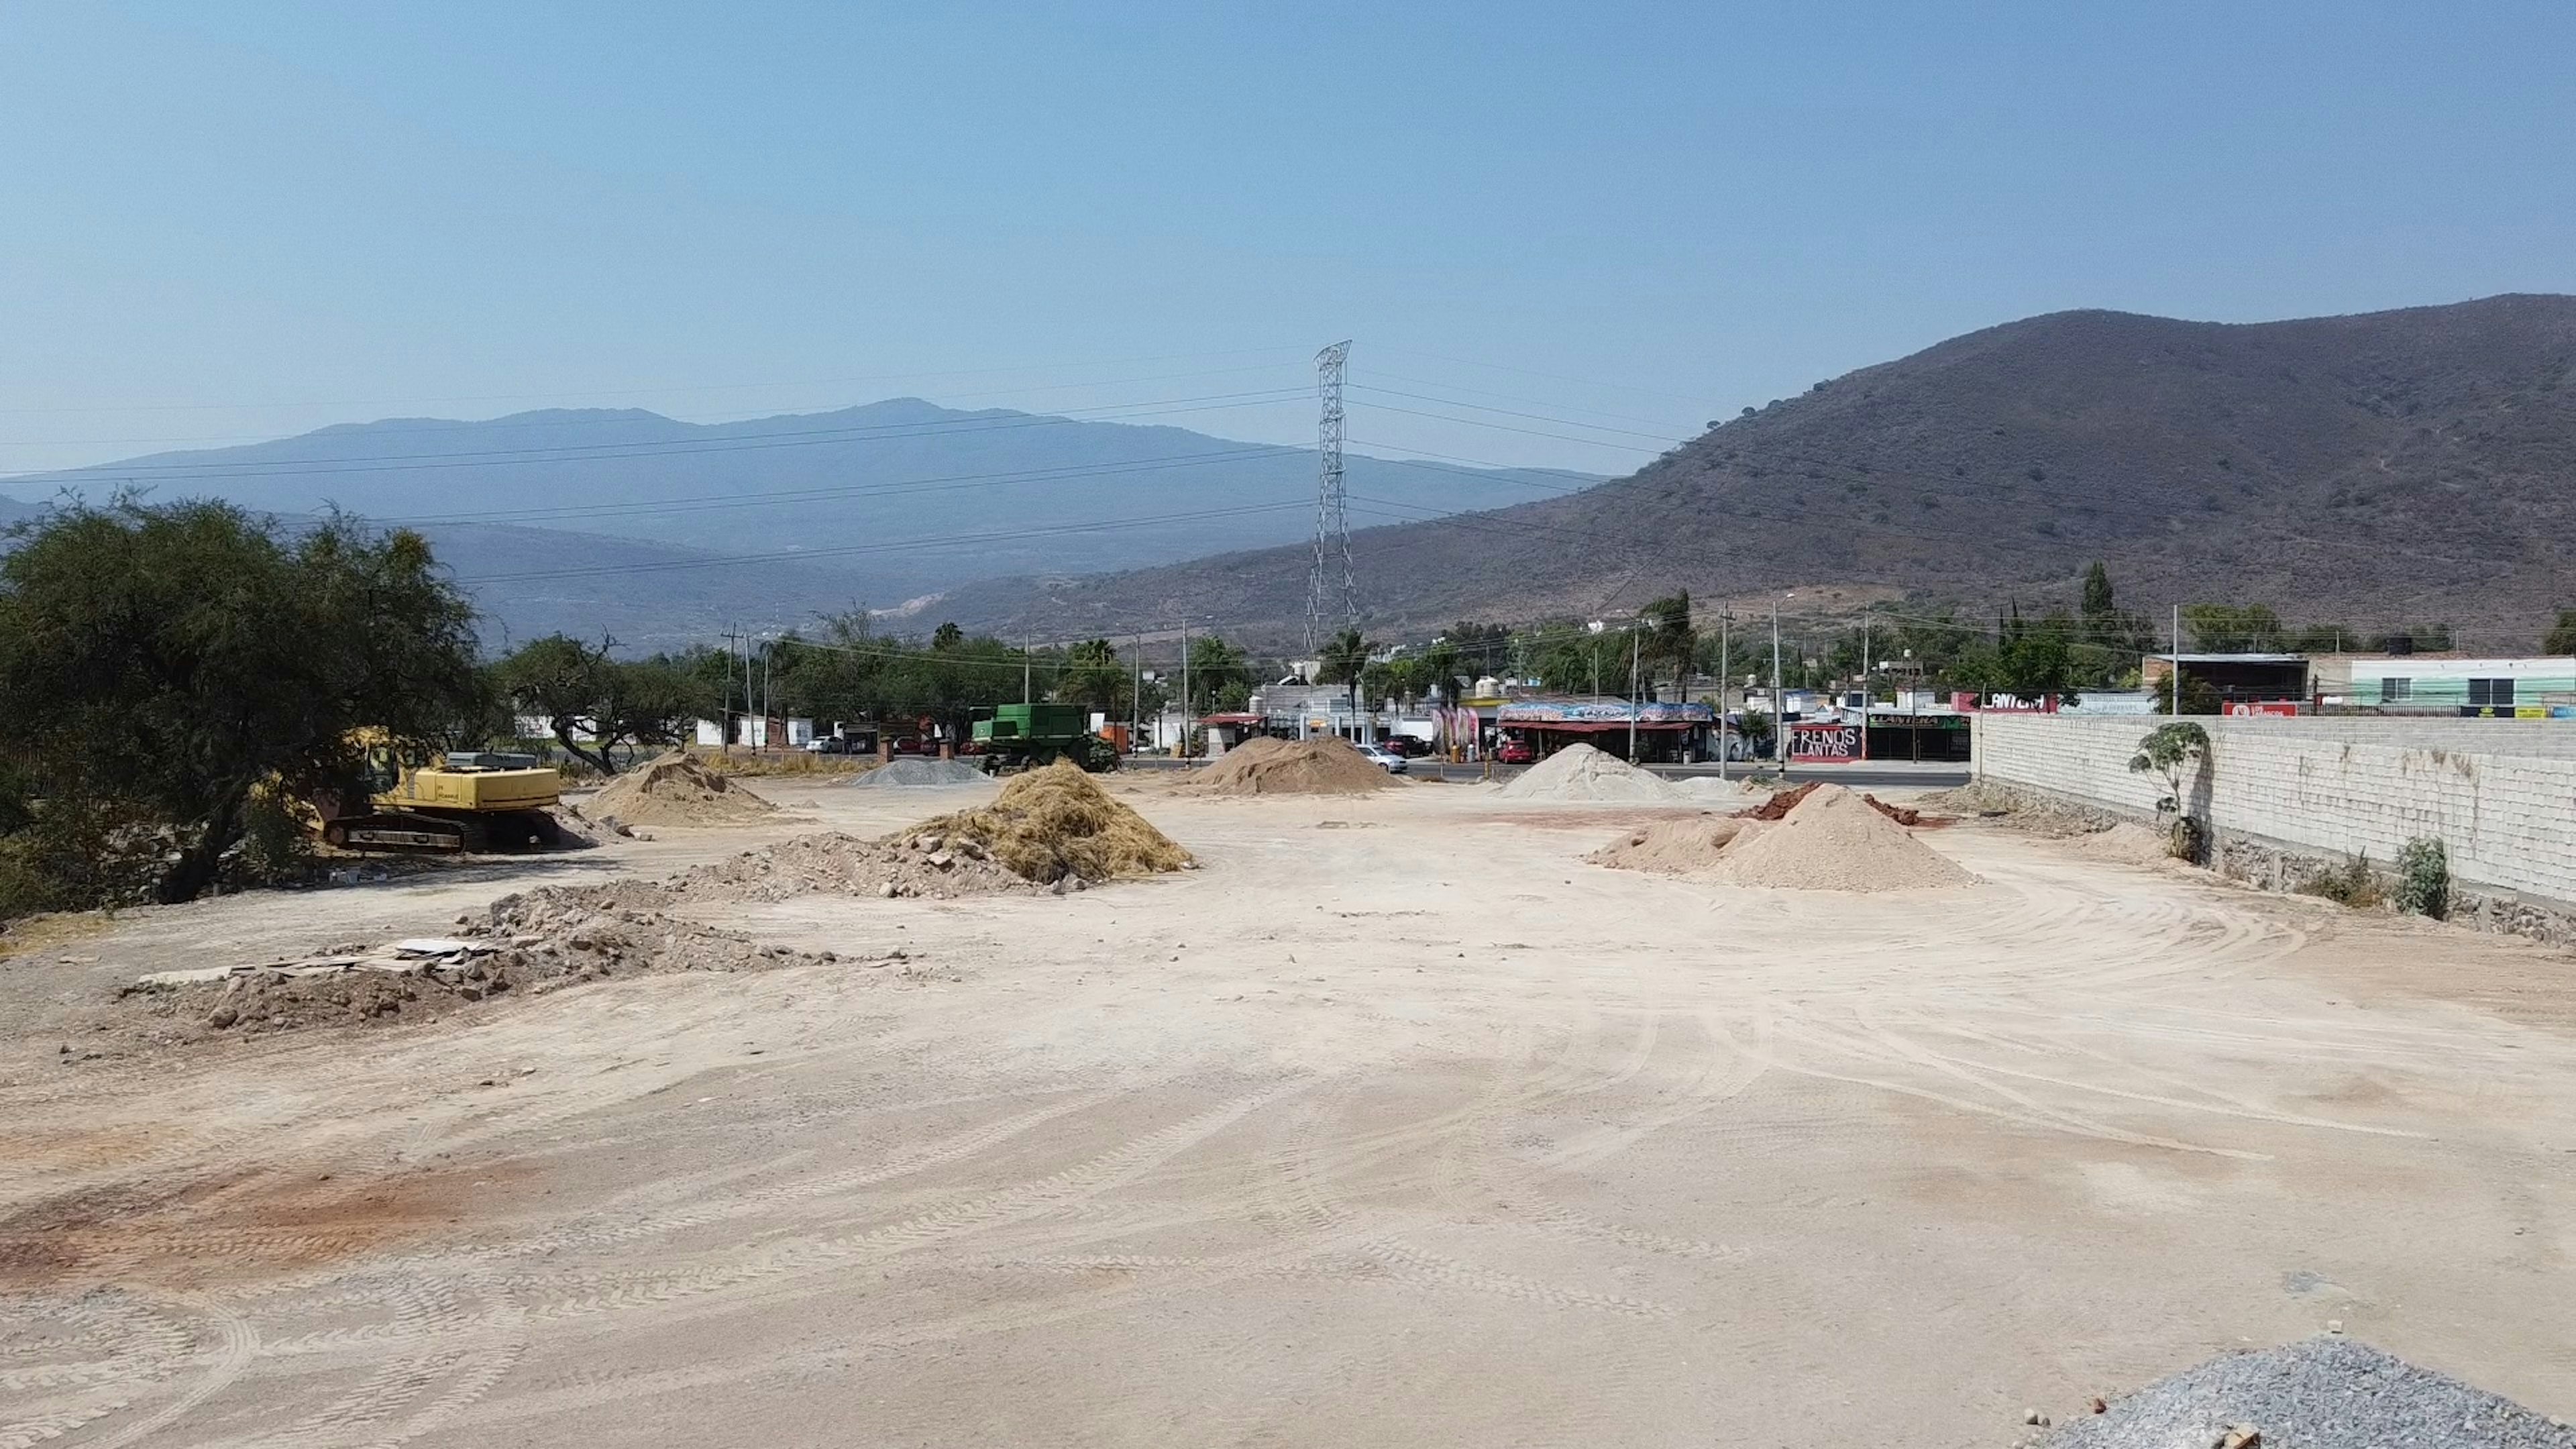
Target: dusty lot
{"x": 1396, "y": 1124}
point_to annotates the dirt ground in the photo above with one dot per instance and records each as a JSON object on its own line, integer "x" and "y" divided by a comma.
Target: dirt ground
{"x": 1394, "y": 1124}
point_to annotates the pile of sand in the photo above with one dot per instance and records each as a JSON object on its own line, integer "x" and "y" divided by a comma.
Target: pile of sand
{"x": 1057, "y": 824}
{"x": 1689, "y": 846}
{"x": 1715, "y": 793}
{"x": 1264, "y": 766}
{"x": 1835, "y": 840}
{"x": 2127, "y": 843}
{"x": 914, "y": 773}
{"x": 921, "y": 862}
{"x": 1582, "y": 773}
{"x": 676, "y": 790}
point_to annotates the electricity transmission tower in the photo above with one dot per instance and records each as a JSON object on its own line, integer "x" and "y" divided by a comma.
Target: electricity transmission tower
{"x": 1332, "y": 509}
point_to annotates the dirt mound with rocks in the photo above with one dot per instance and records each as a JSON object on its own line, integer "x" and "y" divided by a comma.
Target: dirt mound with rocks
{"x": 923, "y": 863}
{"x": 525, "y": 944}
{"x": 1677, "y": 847}
{"x": 676, "y": 789}
{"x": 2318, "y": 1393}
{"x": 1834, "y": 840}
{"x": 913, "y": 773}
{"x": 1582, "y": 773}
{"x": 1264, "y": 766}
{"x": 1058, "y": 825}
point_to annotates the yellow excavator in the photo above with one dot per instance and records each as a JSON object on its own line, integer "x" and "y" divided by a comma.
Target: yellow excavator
{"x": 470, "y": 800}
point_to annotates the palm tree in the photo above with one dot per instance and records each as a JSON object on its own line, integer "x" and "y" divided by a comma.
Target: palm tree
{"x": 1345, "y": 656}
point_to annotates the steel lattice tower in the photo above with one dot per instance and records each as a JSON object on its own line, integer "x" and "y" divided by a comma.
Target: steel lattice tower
{"x": 1332, "y": 509}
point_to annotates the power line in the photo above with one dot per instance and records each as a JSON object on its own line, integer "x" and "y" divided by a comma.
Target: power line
{"x": 1665, "y": 439}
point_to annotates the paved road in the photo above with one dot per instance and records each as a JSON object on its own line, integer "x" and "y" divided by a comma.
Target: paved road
{"x": 1870, "y": 775}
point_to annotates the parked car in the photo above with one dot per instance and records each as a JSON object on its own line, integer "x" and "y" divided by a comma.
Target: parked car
{"x": 1409, "y": 746}
{"x": 910, "y": 745}
{"x": 1516, "y": 752}
{"x": 829, "y": 745}
{"x": 1386, "y": 759}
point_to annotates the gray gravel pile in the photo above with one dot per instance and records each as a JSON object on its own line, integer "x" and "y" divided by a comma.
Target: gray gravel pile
{"x": 919, "y": 774}
{"x": 2319, "y": 1393}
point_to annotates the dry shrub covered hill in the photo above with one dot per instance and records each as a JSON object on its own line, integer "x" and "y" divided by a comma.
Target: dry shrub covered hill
{"x": 2389, "y": 466}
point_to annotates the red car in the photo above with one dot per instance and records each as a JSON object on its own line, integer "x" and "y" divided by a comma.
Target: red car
{"x": 1516, "y": 752}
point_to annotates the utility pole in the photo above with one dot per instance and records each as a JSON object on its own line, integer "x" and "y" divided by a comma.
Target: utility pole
{"x": 1636, "y": 656}
{"x": 1026, "y": 695}
{"x": 1865, "y": 690}
{"x": 2173, "y": 676}
{"x": 1779, "y": 705}
{"x": 1136, "y": 695}
{"x": 1182, "y": 748}
{"x": 1723, "y": 664}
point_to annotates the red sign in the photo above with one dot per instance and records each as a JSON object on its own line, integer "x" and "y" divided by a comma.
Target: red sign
{"x": 2249, "y": 709}
{"x": 1968, "y": 701}
{"x": 1824, "y": 742}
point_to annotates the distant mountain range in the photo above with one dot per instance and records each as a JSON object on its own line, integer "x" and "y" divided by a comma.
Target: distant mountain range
{"x": 639, "y": 525}
{"x": 2394, "y": 467}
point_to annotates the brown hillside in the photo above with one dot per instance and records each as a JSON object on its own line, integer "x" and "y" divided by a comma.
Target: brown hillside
{"x": 2410, "y": 465}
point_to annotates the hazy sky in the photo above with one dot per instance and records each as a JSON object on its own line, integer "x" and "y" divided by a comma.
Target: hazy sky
{"x": 240, "y": 220}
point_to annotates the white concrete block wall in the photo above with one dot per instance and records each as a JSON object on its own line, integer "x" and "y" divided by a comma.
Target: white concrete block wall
{"x": 2501, "y": 794}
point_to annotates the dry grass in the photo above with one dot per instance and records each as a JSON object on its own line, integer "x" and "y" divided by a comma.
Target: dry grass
{"x": 43, "y": 933}
{"x": 1055, "y": 822}
{"x": 748, "y": 764}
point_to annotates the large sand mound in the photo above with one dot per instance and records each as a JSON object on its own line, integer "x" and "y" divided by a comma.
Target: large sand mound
{"x": 1582, "y": 773}
{"x": 1264, "y": 766}
{"x": 1834, "y": 840}
{"x": 1678, "y": 847}
{"x": 677, "y": 790}
{"x": 1057, "y": 822}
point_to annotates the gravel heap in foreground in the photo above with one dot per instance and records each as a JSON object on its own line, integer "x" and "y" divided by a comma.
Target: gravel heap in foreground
{"x": 1582, "y": 773}
{"x": 2319, "y": 1393}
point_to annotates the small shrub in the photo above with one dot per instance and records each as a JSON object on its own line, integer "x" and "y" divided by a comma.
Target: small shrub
{"x": 2424, "y": 878}
{"x": 2354, "y": 885}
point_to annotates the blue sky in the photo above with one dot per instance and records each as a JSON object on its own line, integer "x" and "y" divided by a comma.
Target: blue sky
{"x": 242, "y": 220}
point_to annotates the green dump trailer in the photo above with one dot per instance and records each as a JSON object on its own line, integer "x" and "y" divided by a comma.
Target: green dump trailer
{"x": 1021, "y": 736}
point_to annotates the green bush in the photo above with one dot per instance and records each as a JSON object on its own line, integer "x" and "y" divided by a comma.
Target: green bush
{"x": 2424, "y": 878}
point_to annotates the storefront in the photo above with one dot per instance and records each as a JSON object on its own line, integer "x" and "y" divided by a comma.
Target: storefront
{"x": 1942, "y": 737}
{"x": 1663, "y": 733}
